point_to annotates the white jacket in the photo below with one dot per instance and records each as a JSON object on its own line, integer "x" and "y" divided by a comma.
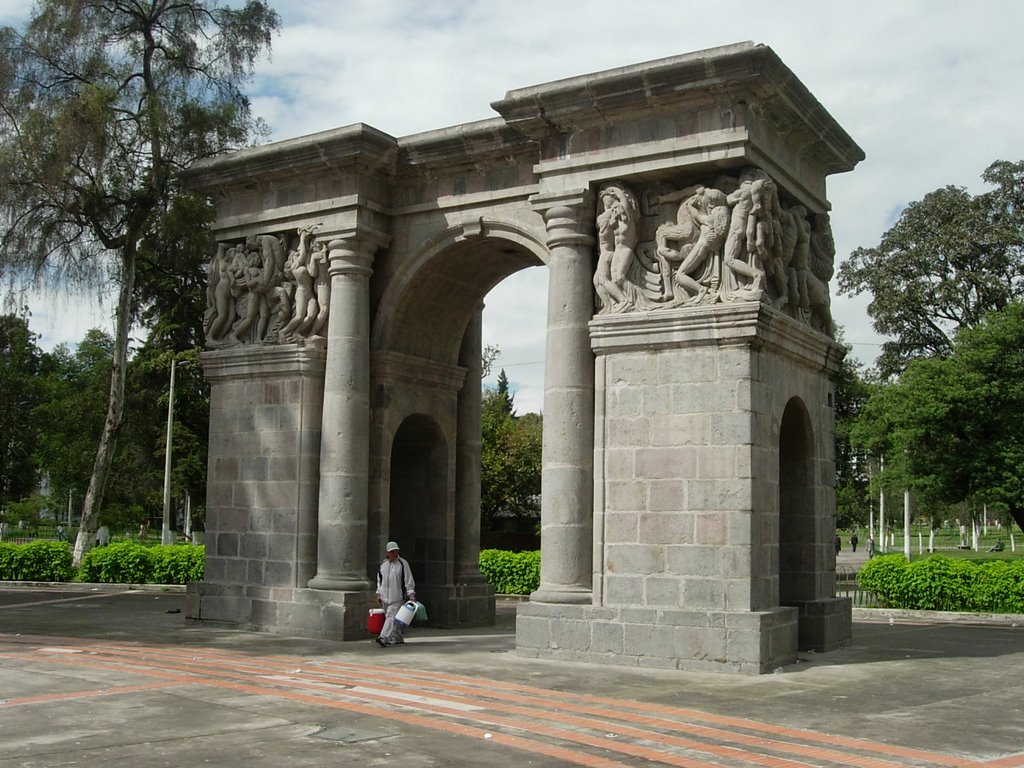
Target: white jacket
{"x": 394, "y": 581}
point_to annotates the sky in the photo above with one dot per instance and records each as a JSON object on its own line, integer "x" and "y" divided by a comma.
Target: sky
{"x": 929, "y": 89}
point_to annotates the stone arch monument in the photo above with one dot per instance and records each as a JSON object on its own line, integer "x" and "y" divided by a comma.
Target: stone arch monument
{"x": 687, "y": 510}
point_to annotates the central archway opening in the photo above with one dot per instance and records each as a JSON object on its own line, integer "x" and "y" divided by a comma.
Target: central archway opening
{"x": 426, "y": 380}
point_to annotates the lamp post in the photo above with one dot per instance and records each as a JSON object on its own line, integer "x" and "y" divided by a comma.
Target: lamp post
{"x": 166, "y": 534}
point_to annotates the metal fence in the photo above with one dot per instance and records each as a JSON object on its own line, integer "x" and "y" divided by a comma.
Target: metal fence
{"x": 847, "y": 586}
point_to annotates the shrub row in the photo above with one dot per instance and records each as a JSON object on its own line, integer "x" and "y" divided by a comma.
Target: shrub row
{"x": 125, "y": 562}
{"x": 36, "y": 561}
{"x": 940, "y": 583}
{"x": 511, "y": 573}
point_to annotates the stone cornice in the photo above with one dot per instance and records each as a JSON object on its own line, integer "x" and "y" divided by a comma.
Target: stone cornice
{"x": 468, "y": 144}
{"x": 355, "y": 148}
{"x": 750, "y": 323}
{"x": 248, "y": 361}
{"x": 743, "y": 73}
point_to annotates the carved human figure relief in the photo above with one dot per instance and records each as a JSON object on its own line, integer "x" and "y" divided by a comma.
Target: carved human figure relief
{"x": 297, "y": 270}
{"x": 616, "y": 237}
{"x": 696, "y": 276}
{"x": 259, "y": 292}
{"x": 729, "y": 239}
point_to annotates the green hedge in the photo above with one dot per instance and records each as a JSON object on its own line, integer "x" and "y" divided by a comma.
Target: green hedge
{"x": 36, "y": 561}
{"x": 125, "y": 562}
{"x": 940, "y": 583}
{"x": 511, "y": 573}
{"x": 128, "y": 562}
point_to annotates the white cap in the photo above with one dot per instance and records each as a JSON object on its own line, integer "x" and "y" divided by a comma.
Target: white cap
{"x": 392, "y": 546}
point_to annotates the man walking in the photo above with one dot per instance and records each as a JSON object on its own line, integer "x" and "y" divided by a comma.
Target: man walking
{"x": 395, "y": 587}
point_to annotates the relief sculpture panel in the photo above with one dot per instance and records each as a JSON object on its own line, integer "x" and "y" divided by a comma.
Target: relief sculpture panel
{"x": 730, "y": 239}
{"x": 268, "y": 289}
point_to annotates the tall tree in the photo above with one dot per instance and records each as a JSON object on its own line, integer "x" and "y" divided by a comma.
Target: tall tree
{"x": 510, "y": 463}
{"x": 75, "y": 384}
{"x": 949, "y": 259}
{"x": 852, "y": 388}
{"x": 503, "y": 396}
{"x": 103, "y": 102}
{"x": 952, "y": 429}
{"x": 21, "y": 363}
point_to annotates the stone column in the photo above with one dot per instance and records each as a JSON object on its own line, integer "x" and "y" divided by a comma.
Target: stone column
{"x": 345, "y": 431}
{"x": 467, "y": 461}
{"x": 567, "y": 478}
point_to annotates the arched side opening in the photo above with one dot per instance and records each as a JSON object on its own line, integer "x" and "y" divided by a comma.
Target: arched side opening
{"x": 797, "y": 514}
{"x": 419, "y": 518}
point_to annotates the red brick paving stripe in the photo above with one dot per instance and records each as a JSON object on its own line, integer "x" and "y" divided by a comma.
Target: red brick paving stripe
{"x": 221, "y": 664}
{"x": 371, "y": 680}
{"x": 494, "y": 691}
{"x": 515, "y": 742}
{"x": 646, "y": 709}
{"x": 220, "y": 678}
{"x": 97, "y": 692}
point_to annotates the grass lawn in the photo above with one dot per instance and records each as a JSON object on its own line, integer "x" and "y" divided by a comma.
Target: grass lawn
{"x": 947, "y": 543}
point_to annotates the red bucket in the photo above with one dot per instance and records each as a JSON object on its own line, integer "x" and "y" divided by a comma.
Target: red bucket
{"x": 375, "y": 621}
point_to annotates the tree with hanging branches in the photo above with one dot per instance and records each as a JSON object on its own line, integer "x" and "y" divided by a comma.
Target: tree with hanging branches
{"x": 102, "y": 103}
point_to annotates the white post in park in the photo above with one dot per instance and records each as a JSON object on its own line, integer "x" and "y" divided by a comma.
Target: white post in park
{"x": 881, "y": 521}
{"x": 906, "y": 524}
{"x": 871, "y": 508}
{"x": 166, "y": 533}
{"x": 188, "y": 518}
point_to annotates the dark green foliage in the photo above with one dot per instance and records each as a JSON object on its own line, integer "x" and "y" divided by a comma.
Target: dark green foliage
{"x": 8, "y": 560}
{"x": 949, "y": 259}
{"x": 510, "y": 463}
{"x": 177, "y": 564}
{"x": 511, "y": 573}
{"x": 951, "y": 429}
{"x": 852, "y": 390}
{"x": 36, "y": 561}
{"x": 940, "y": 583}
{"x": 20, "y": 364}
{"x": 124, "y": 562}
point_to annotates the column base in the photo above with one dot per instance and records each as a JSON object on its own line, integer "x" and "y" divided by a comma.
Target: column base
{"x": 341, "y": 583}
{"x": 563, "y": 595}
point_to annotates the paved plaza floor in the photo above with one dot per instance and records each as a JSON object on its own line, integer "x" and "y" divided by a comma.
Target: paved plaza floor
{"x": 110, "y": 676}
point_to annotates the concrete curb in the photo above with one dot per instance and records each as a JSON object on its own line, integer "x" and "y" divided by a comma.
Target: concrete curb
{"x": 952, "y": 617}
{"x": 77, "y": 586}
{"x": 859, "y": 614}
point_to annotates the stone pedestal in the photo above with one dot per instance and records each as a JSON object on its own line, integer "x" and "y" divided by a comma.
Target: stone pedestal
{"x": 713, "y": 515}
{"x": 744, "y": 642}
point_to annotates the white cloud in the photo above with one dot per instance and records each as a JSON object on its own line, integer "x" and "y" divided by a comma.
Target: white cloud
{"x": 928, "y": 88}
{"x": 59, "y": 317}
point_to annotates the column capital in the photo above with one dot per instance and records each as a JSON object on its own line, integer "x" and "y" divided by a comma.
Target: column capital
{"x": 569, "y": 217}
{"x": 351, "y": 254}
